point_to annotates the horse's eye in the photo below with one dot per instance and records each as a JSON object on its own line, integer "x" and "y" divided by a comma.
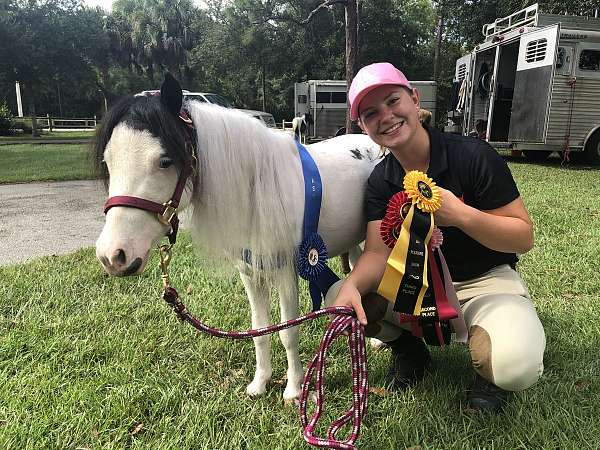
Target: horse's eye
{"x": 165, "y": 162}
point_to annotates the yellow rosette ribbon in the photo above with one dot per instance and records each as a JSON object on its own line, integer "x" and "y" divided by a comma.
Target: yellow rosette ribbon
{"x": 405, "y": 280}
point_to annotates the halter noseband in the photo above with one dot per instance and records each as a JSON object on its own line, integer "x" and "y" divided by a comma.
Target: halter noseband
{"x": 166, "y": 212}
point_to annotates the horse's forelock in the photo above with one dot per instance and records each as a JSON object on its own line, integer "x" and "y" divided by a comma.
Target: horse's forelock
{"x": 140, "y": 113}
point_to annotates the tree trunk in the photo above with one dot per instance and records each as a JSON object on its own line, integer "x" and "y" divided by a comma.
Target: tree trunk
{"x": 34, "y": 127}
{"x": 264, "y": 88}
{"x": 351, "y": 55}
{"x": 60, "y": 110}
{"x": 438, "y": 44}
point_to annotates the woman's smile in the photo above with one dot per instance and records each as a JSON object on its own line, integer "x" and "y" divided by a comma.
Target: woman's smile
{"x": 394, "y": 129}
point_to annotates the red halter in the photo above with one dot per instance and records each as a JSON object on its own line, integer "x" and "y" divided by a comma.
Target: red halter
{"x": 166, "y": 212}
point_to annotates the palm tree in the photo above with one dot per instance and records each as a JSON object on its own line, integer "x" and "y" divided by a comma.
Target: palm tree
{"x": 156, "y": 34}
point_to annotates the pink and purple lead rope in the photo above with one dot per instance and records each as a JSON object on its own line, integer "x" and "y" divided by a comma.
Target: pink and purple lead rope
{"x": 344, "y": 323}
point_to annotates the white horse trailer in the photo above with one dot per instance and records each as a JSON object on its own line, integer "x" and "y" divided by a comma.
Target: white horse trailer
{"x": 325, "y": 100}
{"x": 533, "y": 85}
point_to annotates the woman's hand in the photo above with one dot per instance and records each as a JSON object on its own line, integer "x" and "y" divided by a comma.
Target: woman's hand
{"x": 506, "y": 229}
{"x": 350, "y": 296}
{"x": 452, "y": 210}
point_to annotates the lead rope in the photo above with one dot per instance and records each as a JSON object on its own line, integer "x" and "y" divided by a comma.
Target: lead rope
{"x": 344, "y": 323}
{"x": 567, "y": 147}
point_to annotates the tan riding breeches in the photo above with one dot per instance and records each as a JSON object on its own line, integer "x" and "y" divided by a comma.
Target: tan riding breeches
{"x": 506, "y": 338}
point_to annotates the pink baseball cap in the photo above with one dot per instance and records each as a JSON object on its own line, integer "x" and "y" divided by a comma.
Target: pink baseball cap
{"x": 370, "y": 77}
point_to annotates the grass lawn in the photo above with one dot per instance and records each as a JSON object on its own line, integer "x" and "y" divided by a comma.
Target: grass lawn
{"x": 43, "y": 162}
{"x": 58, "y": 135}
{"x": 88, "y": 361}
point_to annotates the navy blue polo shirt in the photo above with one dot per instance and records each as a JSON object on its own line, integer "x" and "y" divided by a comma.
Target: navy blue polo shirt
{"x": 474, "y": 172}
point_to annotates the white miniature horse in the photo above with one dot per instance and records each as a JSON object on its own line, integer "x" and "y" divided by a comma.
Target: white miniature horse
{"x": 247, "y": 193}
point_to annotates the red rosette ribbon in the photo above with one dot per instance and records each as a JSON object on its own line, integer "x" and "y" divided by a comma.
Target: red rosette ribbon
{"x": 397, "y": 209}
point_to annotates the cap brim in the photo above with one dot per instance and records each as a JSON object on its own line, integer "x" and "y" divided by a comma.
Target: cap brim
{"x": 365, "y": 91}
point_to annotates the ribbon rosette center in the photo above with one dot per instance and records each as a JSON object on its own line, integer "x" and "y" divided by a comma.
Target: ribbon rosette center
{"x": 312, "y": 255}
{"x": 423, "y": 191}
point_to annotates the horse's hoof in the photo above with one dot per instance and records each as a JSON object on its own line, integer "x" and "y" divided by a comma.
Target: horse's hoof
{"x": 376, "y": 344}
{"x": 312, "y": 398}
{"x": 256, "y": 388}
{"x": 291, "y": 394}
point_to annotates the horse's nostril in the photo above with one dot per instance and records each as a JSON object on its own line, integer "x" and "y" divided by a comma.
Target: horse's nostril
{"x": 104, "y": 261}
{"x": 120, "y": 256}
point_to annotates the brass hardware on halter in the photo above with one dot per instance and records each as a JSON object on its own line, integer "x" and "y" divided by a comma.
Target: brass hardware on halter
{"x": 164, "y": 251}
{"x": 168, "y": 214}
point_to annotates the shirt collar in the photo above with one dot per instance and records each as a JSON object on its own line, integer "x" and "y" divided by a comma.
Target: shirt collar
{"x": 438, "y": 160}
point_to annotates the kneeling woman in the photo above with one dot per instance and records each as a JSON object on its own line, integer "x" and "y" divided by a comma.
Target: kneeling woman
{"x": 484, "y": 224}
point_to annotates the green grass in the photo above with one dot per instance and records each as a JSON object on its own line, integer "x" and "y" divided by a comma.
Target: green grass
{"x": 40, "y": 162}
{"x": 88, "y": 361}
{"x": 54, "y": 135}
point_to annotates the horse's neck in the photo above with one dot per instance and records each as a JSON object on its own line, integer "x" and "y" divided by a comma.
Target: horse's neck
{"x": 250, "y": 187}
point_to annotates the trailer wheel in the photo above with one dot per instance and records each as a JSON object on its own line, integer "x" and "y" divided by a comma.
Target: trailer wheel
{"x": 574, "y": 157}
{"x": 591, "y": 152}
{"x": 536, "y": 155}
{"x": 341, "y": 131}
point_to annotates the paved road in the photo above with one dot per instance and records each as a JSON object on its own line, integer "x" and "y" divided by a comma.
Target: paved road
{"x": 38, "y": 219}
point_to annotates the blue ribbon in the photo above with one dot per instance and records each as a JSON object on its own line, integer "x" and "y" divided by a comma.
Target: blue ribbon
{"x": 312, "y": 253}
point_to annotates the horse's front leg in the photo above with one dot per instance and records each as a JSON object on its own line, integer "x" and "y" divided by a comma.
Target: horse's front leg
{"x": 258, "y": 295}
{"x": 288, "y": 302}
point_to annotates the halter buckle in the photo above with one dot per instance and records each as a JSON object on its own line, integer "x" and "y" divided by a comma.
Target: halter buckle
{"x": 168, "y": 214}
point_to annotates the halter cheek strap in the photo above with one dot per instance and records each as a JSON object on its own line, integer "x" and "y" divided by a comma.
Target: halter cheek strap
{"x": 166, "y": 212}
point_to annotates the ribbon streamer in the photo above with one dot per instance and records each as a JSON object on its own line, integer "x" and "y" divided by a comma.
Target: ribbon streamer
{"x": 412, "y": 279}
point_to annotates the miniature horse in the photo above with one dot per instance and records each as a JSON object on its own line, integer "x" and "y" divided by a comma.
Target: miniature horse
{"x": 247, "y": 192}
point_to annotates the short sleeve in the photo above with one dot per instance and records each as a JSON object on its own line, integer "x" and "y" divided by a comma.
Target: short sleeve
{"x": 492, "y": 183}
{"x": 376, "y": 196}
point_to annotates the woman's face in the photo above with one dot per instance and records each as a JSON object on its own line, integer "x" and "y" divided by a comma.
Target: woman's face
{"x": 389, "y": 115}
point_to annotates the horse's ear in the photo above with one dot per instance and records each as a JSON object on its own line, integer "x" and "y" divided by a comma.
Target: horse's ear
{"x": 171, "y": 95}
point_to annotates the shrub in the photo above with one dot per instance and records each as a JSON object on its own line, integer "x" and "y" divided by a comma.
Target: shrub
{"x": 5, "y": 119}
{"x": 22, "y": 124}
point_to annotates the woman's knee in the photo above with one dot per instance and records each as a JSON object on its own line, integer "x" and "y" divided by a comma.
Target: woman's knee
{"x": 506, "y": 339}
{"x": 510, "y": 364}
{"x": 518, "y": 370}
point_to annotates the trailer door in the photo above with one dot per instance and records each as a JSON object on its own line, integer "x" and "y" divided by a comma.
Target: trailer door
{"x": 468, "y": 106}
{"x": 493, "y": 93}
{"x": 533, "y": 85}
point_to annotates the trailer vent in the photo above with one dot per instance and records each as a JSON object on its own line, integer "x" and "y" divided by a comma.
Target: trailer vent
{"x": 536, "y": 50}
{"x": 462, "y": 71}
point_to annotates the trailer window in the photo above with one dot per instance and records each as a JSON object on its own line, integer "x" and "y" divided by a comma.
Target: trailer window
{"x": 323, "y": 97}
{"x": 564, "y": 57}
{"x": 589, "y": 60}
{"x": 331, "y": 97}
{"x": 338, "y": 97}
{"x": 560, "y": 58}
{"x": 536, "y": 50}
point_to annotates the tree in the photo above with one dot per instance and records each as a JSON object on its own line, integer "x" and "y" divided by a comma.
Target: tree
{"x": 55, "y": 46}
{"x": 153, "y": 35}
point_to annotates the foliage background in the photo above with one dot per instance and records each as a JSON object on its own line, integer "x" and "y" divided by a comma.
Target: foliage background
{"x": 74, "y": 60}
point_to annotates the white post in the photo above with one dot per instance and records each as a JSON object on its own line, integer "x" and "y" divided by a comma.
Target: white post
{"x": 19, "y": 102}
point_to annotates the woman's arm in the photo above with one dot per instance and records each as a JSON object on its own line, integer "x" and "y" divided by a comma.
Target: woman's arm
{"x": 366, "y": 274}
{"x": 506, "y": 229}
